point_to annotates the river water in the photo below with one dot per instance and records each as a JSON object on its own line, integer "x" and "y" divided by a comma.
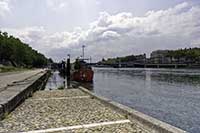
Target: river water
{"x": 55, "y": 81}
{"x": 170, "y": 95}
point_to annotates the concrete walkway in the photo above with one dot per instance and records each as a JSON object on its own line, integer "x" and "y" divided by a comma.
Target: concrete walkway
{"x": 66, "y": 111}
{"x": 18, "y": 86}
{"x": 10, "y": 77}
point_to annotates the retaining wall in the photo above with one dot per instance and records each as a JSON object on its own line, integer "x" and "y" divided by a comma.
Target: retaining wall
{"x": 19, "y": 91}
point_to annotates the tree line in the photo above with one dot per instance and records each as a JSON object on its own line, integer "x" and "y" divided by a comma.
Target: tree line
{"x": 190, "y": 55}
{"x": 121, "y": 59}
{"x": 19, "y": 54}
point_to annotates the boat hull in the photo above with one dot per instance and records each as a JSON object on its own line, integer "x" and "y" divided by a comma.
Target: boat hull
{"x": 83, "y": 75}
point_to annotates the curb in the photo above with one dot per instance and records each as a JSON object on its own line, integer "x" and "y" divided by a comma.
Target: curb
{"x": 147, "y": 122}
{"x": 16, "y": 94}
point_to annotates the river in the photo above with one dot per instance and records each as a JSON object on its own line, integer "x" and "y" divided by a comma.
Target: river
{"x": 170, "y": 95}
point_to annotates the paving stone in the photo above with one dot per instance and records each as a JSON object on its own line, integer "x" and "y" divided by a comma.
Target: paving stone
{"x": 36, "y": 114}
{"x": 59, "y": 93}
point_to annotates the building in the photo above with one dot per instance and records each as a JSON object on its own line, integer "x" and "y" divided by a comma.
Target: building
{"x": 140, "y": 58}
{"x": 160, "y": 57}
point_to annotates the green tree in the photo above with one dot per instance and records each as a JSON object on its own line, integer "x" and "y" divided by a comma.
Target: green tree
{"x": 19, "y": 53}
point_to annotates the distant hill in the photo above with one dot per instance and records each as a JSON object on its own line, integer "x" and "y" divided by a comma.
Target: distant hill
{"x": 16, "y": 53}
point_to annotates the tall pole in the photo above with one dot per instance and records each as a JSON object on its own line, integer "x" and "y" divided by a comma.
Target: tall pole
{"x": 68, "y": 71}
{"x": 90, "y": 59}
{"x": 64, "y": 70}
{"x": 83, "y": 51}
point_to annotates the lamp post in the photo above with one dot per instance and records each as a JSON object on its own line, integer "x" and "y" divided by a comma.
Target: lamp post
{"x": 83, "y": 48}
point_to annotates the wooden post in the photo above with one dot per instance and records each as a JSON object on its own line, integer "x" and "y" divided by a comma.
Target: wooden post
{"x": 68, "y": 72}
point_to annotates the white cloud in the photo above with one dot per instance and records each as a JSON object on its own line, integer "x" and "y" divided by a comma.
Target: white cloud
{"x": 122, "y": 34}
{"x": 97, "y": 2}
{"x": 56, "y": 5}
{"x": 4, "y": 7}
{"x": 196, "y": 43}
{"x": 34, "y": 36}
{"x": 110, "y": 35}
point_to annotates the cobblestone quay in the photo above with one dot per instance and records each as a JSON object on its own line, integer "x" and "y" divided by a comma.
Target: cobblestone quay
{"x": 72, "y": 110}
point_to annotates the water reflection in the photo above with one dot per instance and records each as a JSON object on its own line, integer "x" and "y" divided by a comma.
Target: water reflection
{"x": 190, "y": 77}
{"x": 89, "y": 86}
{"x": 171, "y": 95}
{"x": 55, "y": 81}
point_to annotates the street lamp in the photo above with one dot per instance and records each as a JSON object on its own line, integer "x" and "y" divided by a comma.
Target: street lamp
{"x": 83, "y": 51}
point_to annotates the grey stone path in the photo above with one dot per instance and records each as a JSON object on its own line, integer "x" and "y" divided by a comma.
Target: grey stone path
{"x": 10, "y": 77}
{"x": 66, "y": 111}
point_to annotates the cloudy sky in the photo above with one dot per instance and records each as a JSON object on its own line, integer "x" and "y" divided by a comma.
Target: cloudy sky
{"x": 108, "y": 28}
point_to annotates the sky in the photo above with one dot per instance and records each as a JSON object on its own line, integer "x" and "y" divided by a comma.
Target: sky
{"x": 108, "y": 28}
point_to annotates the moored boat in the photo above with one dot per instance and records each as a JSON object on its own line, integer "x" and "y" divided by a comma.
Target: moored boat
{"x": 79, "y": 71}
{"x": 82, "y": 72}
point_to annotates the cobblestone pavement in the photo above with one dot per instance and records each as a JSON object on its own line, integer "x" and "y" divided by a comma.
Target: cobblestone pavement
{"x": 57, "y": 93}
{"x": 10, "y": 77}
{"x": 65, "y": 108}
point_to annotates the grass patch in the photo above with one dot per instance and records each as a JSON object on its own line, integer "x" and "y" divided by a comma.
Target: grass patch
{"x": 11, "y": 69}
{"x": 6, "y": 115}
{"x": 61, "y": 88}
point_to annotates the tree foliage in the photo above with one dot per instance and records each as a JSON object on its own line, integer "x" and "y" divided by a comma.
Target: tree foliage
{"x": 19, "y": 53}
{"x": 192, "y": 54}
{"x": 119, "y": 59}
